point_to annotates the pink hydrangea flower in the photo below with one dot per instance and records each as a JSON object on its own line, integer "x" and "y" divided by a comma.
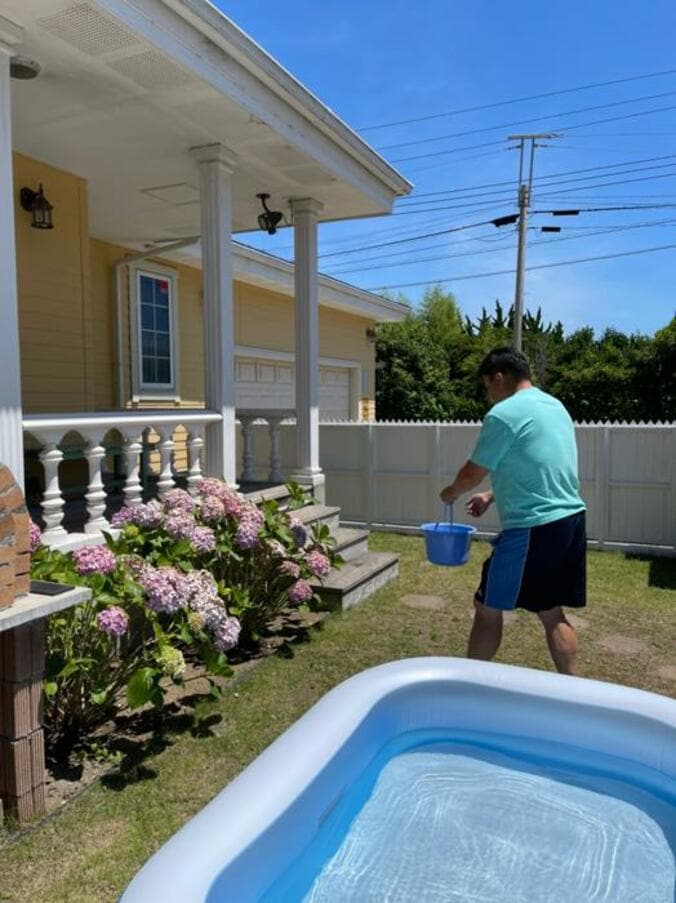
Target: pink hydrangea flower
{"x": 179, "y": 500}
{"x": 167, "y": 589}
{"x": 212, "y": 510}
{"x": 35, "y": 536}
{"x": 290, "y": 569}
{"x": 300, "y": 592}
{"x": 113, "y": 621}
{"x": 122, "y": 517}
{"x": 247, "y": 535}
{"x": 318, "y": 563}
{"x": 149, "y": 516}
{"x": 94, "y": 560}
{"x": 203, "y": 539}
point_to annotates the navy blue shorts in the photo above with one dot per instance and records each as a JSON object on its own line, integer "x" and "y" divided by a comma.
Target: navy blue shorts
{"x": 537, "y": 567}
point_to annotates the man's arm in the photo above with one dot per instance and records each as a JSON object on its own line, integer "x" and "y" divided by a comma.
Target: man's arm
{"x": 469, "y": 476}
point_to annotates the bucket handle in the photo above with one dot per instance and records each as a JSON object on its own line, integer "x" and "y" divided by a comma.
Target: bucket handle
{"x": 450, "y": 514}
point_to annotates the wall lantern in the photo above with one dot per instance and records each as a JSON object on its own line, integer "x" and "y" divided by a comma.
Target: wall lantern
{"x": 37, "y": 204}
{"x": 371, "y": 334}
{"x": 269, "y": 219}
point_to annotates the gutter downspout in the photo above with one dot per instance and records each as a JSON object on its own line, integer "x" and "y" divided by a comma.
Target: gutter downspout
{"x": 156, "y": 251}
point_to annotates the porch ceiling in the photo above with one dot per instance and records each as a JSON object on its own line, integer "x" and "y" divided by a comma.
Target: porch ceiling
{"x": 121, "y": 99}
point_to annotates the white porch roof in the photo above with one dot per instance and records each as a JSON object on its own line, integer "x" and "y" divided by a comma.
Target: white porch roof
{"x": 127, "y": 87}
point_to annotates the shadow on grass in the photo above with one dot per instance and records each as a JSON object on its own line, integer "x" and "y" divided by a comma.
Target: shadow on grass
{"x": 662, "y": 571}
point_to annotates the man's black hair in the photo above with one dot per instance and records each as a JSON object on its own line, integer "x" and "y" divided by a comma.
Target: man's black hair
{"x": 505, "y": 360}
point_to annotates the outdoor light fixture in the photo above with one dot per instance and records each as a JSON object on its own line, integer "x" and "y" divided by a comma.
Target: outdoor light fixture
{"x": 23, "y": 69}
{"x": 371, "y": 334}
{"x": 36, "y": 203}
{"x": 269, "y": 219}
{"x": 505, "y": 220}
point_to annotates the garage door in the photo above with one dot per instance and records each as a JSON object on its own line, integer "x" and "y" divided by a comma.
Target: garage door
{"x": 269, "y": 385}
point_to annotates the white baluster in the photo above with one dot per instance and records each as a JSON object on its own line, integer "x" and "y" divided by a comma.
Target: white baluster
{"x": 52, "y": 500}
{"x": 96, "y": 493}
{"x": 133, "y": 491}
{"x": 195, "y": 446}
{"x": 275, "y": 450}
{"x": 166, "y": 480}
{"x": 248, "y": 473}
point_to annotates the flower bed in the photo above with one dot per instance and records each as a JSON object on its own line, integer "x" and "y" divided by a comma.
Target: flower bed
{"x": 190, "y": 578}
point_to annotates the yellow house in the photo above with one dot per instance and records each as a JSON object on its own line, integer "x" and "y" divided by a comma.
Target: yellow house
{"x": 138, "y": 339}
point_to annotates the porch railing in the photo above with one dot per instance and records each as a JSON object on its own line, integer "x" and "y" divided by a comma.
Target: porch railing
{"x": 144, "y": 443}
{"x": 129, "y": 456}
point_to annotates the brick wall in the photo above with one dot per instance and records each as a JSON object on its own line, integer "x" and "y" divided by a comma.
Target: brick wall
{"x": 14, "y": 540}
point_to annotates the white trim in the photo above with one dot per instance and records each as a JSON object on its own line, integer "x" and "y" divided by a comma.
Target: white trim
{"x": 141, "y": 391}
{"x": 255, "y": 267}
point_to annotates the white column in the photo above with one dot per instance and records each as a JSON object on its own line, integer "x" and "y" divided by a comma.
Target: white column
{"x": 52, "y": 503}
{"x": 308, "y": 471}
{"x": 133, "y": 491}
{"x": 216, "y": 167}
{"x": 11, "y": 432}
{"x": 274, "y": 427}
{"x": 166, "y": 482}
{"x": 95, "y": 453}
{"x": 248, "y": 472}
{"x": 195, "y": 446}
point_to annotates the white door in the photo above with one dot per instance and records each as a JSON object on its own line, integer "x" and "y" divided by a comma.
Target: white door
{"x": 269, "y": 385}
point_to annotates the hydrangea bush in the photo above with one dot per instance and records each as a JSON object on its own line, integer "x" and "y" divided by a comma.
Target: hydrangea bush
{"x": 189, "y": 578}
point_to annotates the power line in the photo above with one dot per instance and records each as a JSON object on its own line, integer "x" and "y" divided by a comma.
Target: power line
{"x": 562, "y": 128}
{"x": 544, "y": 241}
{"x": 539, "y": 266}
{"x": 512, "y": 125}
{"x": 503, "y": 103}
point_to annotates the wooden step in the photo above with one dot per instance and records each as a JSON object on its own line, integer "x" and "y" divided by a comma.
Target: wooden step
{"x": 357, "y": 580}
{"x": 350, "y": 544}
{"x": 313, "y": 514}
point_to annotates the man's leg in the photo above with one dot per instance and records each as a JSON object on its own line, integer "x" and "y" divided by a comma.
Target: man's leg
{"x": 486, "y": 634}
{"x": 561, "y": 639}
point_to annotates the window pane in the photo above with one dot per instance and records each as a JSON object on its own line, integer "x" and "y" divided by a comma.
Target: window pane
{"x": 148, "y": 343}
{"x": 162, "y": 318}
{"x": 147, "y": 319}
{"x": 147, "y": 286}
{"x": 162, "y": 344}
{"x": 163, "y": 371}
{"x": 162, "y": 292}
{"x": 149, "y": 370}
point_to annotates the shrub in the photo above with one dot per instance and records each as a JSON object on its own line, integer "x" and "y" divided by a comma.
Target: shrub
{"x": 191, "y": 577}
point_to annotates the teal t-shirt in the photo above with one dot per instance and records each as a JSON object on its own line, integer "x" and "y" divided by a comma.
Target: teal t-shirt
{"x": 527, "y": 442}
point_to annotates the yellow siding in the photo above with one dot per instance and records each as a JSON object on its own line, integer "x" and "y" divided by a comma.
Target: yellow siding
{"x": 55, "y": 322}
{"x": 67, "y": 311}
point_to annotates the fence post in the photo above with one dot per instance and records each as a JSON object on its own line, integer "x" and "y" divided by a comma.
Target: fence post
{"x": 370, "y": 474}
{"x": 434, "y": 473}
{"x": 603, "y": 486}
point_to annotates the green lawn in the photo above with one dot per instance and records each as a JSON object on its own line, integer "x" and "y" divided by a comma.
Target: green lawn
{"x": 89, "y": 851}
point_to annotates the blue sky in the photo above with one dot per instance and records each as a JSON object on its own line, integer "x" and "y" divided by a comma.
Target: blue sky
{"x": 381, "y": 61}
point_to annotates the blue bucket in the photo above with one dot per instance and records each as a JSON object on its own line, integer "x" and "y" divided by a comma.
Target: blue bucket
{"x": 447, "y": 544}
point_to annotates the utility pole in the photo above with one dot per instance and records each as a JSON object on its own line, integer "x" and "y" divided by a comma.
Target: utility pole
{"x": 526, "y": 143}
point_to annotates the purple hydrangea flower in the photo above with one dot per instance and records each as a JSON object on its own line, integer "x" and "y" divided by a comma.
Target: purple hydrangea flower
{"x": 299, "y": 532}
{"x": 203, "y": 539}
{"x": 249, "y": 527}
{"x": 234, "y": 505}
{"x": 318, "y": 563}
{"x": 290, "y": 569}
{"x": 167, "y": 589}
{"x": 35, "y": 536}
{"x": 300, "y": 592}
{"x": 179, "y": 500}
{"x": 212, "y": 510}
{"x": 179, "y": 524}
{"x": 226, "y": 635}
{"x": 149, "y": 516}
{"x": 94, "y": 560}
{"x": 113, "y": 621}
{"x": 122, "y": 517}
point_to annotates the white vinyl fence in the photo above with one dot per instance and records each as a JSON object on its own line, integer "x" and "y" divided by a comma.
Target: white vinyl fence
{"x": 388, "y": 475}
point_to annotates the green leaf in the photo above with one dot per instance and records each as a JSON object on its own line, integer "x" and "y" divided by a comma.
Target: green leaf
{"x": 51, "y": 688}
{"x": 99, "y": 698}
{"x": 142, "y": 687}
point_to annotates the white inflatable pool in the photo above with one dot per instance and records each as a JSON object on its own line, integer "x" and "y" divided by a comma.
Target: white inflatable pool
{"x": 443, "y": 779}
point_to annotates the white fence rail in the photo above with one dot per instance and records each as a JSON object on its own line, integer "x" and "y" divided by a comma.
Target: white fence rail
{"x": 389, "y": 475}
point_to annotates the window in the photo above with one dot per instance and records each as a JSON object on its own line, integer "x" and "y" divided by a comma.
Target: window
{"x": 155, "y": 339}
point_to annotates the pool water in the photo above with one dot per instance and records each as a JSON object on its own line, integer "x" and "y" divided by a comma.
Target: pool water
{"x": 453, "y": 819}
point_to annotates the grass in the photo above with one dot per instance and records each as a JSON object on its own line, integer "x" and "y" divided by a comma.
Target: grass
{"x": 90, "y": 850}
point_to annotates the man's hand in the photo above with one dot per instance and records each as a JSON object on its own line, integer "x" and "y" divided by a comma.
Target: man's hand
{"x": 479, "y": 504}
{"x": 448, "y": 495}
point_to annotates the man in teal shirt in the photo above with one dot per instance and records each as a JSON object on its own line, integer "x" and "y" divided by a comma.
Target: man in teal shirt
{"x": 527, "y": 445}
